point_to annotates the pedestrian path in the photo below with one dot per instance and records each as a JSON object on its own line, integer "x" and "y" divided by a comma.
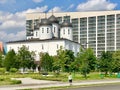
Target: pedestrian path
{"x": 32, "y": 83}
{"x": 28, "y": 81}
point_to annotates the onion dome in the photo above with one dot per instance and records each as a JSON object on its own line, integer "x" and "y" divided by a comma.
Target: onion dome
{"x": 66, "y": 24}
{"x": 53, "y": 19}
{"x": 45, "y": 22}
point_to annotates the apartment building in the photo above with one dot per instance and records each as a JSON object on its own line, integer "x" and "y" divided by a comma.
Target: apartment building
{"x": 99, "y": 30}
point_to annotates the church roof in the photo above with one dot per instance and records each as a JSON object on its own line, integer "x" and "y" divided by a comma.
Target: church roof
{"x": 53, "y": 19}
{"x": 45, "y": 22}
{"x": 66, "y": 24}
{"x": 39, "y": 40}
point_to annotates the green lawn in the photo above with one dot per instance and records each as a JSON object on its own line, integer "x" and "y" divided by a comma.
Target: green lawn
{"x": 5, "y": 79}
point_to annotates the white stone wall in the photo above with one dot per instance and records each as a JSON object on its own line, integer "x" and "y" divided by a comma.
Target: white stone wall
{"x": 55, "y": 30}
{"x": 66, "y": 32}
{"x": 29, "y": 37}
{"x": 44, "y": 33}
{"x": 45, "y": 46}
{"x": 36, "y": 34}
{"x": 75, "y": 47}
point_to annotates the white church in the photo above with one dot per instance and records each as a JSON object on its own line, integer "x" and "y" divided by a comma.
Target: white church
{"x": 48, "y": 37}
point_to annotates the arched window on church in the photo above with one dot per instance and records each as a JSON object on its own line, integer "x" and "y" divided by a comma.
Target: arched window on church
{"x": 36, "y": 34}
{"x": 42, "y": 30}
{"x": 47, "y": 30}
{"x": 68, "y": 31}
{"x": 54, "y": 29}
{"x": 42, "y": 47}
{"x": 63, "y": 31}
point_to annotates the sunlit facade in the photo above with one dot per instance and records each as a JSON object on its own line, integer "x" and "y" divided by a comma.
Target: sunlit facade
{"x": 99, "y": 30}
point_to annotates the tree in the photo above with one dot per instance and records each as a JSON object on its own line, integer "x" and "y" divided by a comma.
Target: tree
{"x": 46, "y": 62}
{"x": 116, "y": 61}
{"x": 56, "y": 64}
{"x": 65, "y": 59}
{"x": 69, "y": 60}
{"x": 10, "y": 60}
{"x": 1, "y": 59}
{"x": 105, "y": 62}
{"x": 85, "y": 61}
{"x": 25, "y": 57}
{"x": 92, "y": 59}
{"x": 61, "y": 58}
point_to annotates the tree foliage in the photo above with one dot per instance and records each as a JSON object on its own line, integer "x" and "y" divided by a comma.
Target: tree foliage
{"x": 116, "y": 61}
{"x": 106, "y": 62}
{"x": 46, "y": 62}
{"x": 1, "y": 59}
{"x": 25, "y": 57}
{"x": 86, "y": 61}
{"x": 11, "y": 61}
{"x": 65, "y": 59}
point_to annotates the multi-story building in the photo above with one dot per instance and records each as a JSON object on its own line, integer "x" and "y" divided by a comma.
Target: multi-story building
{"x": 99, "y": 30}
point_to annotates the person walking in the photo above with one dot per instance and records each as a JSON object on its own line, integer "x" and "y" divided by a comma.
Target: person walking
{"x": 70, "y": 79}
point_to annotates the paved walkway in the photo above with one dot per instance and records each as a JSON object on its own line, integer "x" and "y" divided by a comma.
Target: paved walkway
{"x": 32, "y": 83}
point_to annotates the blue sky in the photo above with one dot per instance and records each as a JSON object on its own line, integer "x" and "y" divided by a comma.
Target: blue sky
{"x": 12, "y": 12}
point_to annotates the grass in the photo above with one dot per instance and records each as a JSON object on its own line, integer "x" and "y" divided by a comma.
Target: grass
{"x": 5, "y": 79}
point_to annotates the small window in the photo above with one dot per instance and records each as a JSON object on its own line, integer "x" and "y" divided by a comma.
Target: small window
{"x": 68, "y": 31}
{"x": 54, "y": 29}
{"x": 63, "y": 31}
{"x": 47, "y": 30}
{"x": 57, "y": 46}
{"x": 42, "y": 30}
{"x": 36, "y": 33}
{"x": 42, "y": 47}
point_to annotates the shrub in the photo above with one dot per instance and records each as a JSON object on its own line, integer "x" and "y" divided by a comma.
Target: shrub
{"x": 16, "y": 81}
{"x": 13, "y": 70}
{"x": 2, "y": 79}
{"x": 2, "y": 70}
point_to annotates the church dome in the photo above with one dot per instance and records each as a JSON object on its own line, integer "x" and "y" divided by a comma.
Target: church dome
{"x": 45, "y": 22}
{"x": 66, "y": 24}
{"x": 53, "y": 19}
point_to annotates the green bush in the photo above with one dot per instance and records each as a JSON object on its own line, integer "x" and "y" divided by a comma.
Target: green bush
{"x": 16, "y": 81}
{"x": 2, "y": 70}
{"x": 2, "y": 79}
{"x": 13, "y": 70}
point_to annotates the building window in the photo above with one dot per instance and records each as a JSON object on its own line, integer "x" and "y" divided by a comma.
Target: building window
{"x": 42, "y": 47}
{"x": 36, "y": 33}
{"x": 63, "y": 31}
{"x": 54, "y": 29}
{"x": 47, "y": 30}
{"x": 68, "y": 31}
{"x": 57, "y": 46}
{"x": 42, "y": 30}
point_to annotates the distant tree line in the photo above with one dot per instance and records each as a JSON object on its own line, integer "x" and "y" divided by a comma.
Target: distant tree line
{"x": 65, "y": 61}
{"x": 22, "y": 59}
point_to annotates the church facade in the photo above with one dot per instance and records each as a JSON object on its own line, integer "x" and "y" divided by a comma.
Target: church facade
{"x": 48, "y": 36}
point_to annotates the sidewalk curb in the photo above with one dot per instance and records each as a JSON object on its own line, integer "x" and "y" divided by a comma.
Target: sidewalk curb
{"x": 58, "y": 84}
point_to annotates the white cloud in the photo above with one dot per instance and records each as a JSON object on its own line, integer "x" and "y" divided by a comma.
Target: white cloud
{"x": 6, "y": 1}
{"x": 3, "y": 1}
{"x": 12, "y": 26}
{"x": 92, "y": 5}
{"x": 38, "y": 9}
{"x": 37, "y": 1}
{"x": 56, "y": 9}
{"x": 12, "y": 36}
{"x": 70, "y": 7}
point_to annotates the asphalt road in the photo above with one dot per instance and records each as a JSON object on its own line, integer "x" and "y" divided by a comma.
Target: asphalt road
{"x": 100, "y": 87}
